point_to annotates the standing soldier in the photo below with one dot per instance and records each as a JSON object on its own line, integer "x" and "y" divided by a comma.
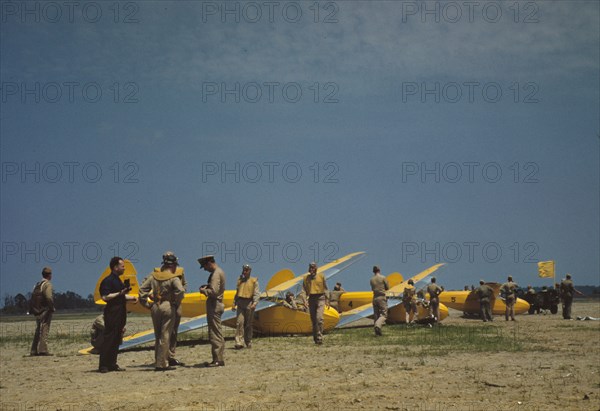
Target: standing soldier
{"x": 315, "y": 287}
{"x": 509, "y": 292}
{"x": 434, "y": 292}
{"x": 165, "y": 288}
{"x": 42, "y": 306}
{"x": 245, "y": 300}
{"x": 485, "y": 293}
{"x": 379, "y": 285}
{"x": 334, "y": 296}
{"x": 214, "y": 308}
{"x": 567, "y": 289}
{"x": 171, "y": 263}
{"x": 409, "y": 300}
{"x": 114, "y": 293}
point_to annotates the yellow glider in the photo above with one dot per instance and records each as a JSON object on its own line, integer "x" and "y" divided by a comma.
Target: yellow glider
{"x": 270, "y": 316}
{"x": 355, "y": 305}
{"x": 468, "y": 302}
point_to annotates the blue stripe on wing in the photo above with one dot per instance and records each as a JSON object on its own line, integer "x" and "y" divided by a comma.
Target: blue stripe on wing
{"x": 194, "y": 323}
{"x": 334, "y": 270}
{"x": 362, "y": 312}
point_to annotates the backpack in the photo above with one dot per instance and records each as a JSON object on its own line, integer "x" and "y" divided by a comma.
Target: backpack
{"x": 37, "y": 303}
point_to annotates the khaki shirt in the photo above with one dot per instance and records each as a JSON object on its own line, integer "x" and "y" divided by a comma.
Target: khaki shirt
{"x": 567, "y": 288}
{"x": 161, "y": 286}
{"x": 290, "y": 304}
{"x": 48, "y": 293}
{"x": 334, "y": 295}
{"x": 434, "y": 291}
{"x": 247, "y": 288}
{"x": 509, "y": 289}
{"x": 484, "y": 292}
{"x": 314, "y": 285}
{"x": 379, "y": 285}
{"x": 409, "y": 293}
{"x": 216, "y": 285}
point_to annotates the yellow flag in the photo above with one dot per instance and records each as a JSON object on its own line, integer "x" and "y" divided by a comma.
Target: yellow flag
{"x": 546, "y": 269}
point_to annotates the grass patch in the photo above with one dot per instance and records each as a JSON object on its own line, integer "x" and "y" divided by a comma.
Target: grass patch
{"x": 422, "y": 342}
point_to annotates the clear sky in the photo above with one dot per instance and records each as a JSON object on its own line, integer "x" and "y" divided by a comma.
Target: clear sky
{"x": 277, "y": 133}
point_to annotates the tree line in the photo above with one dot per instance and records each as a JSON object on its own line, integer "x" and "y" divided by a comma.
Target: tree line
{"x": 19, "y": 304}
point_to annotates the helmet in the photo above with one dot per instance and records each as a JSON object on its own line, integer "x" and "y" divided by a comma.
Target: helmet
{"x": 169, "y": 258}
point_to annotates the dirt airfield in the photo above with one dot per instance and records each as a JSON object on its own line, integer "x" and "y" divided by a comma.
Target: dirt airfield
{"x": 539, "y": 362}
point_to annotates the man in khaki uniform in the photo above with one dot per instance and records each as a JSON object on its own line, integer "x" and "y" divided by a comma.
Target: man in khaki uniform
{"x": 315, "y": 287}
{"x": 170, "y": 261}
{"x": 301, "y": 301}
{"x": 165, "y": 289}
{"x": 567, "y": 289}
{"x": 334, "y": 296}
{"x": 214, "y": 308}
{"x": 42, "y": 306}
{"x": 289, "y": 301}
{"x": 379, "y": 285}
{"x": 485, "y": 293}
{"x": 509, "y": 292}
{"x": 434, "y": 292}
{"x": 246, "y": 297}
{"x": 409, "y": 300}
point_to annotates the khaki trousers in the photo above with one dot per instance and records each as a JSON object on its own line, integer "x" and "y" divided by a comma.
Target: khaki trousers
{"x": 316, "y": 306}
{"x": 173, "y": 340}
{"x": 380, "y": 311}
{"x": 163, "y": 318}
{"x": 434, "y": 308}
{"x": 485, "y": 310}
{"x": 214, "y": 311}
{"x": 510, "y": 308}
{"x": 566, "y": 307}
{"x": 244, "y": 316}
{"x": 42, "y": 329}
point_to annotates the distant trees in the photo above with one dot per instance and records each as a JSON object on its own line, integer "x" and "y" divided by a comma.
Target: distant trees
{"x": 19, "y": 304}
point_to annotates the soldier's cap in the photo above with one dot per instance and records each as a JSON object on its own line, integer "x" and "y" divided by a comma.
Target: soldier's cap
{"x": 568, "y": 276}
{"x": 206, "y": 259}
{"x": 481, "y": 282}
{"x": 46, "y": 270}
{"x": 169, "y": 257}
{"x": 246, "y": 267}
{"x": 510, "y": 278}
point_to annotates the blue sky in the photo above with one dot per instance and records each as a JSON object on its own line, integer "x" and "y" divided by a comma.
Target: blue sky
{"x": 417, "y": 132}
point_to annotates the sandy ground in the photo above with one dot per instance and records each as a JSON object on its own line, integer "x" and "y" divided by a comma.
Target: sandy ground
{"x": 539, "y": 362}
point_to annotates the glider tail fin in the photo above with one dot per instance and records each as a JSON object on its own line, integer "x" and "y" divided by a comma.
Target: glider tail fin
{"x": 130, "y": 274}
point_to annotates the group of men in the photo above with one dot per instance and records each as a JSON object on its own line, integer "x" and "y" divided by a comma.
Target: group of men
{"x": 380, "y": 286}
{"x": 508, "y": 292}
{"x": 163, "y": 290}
